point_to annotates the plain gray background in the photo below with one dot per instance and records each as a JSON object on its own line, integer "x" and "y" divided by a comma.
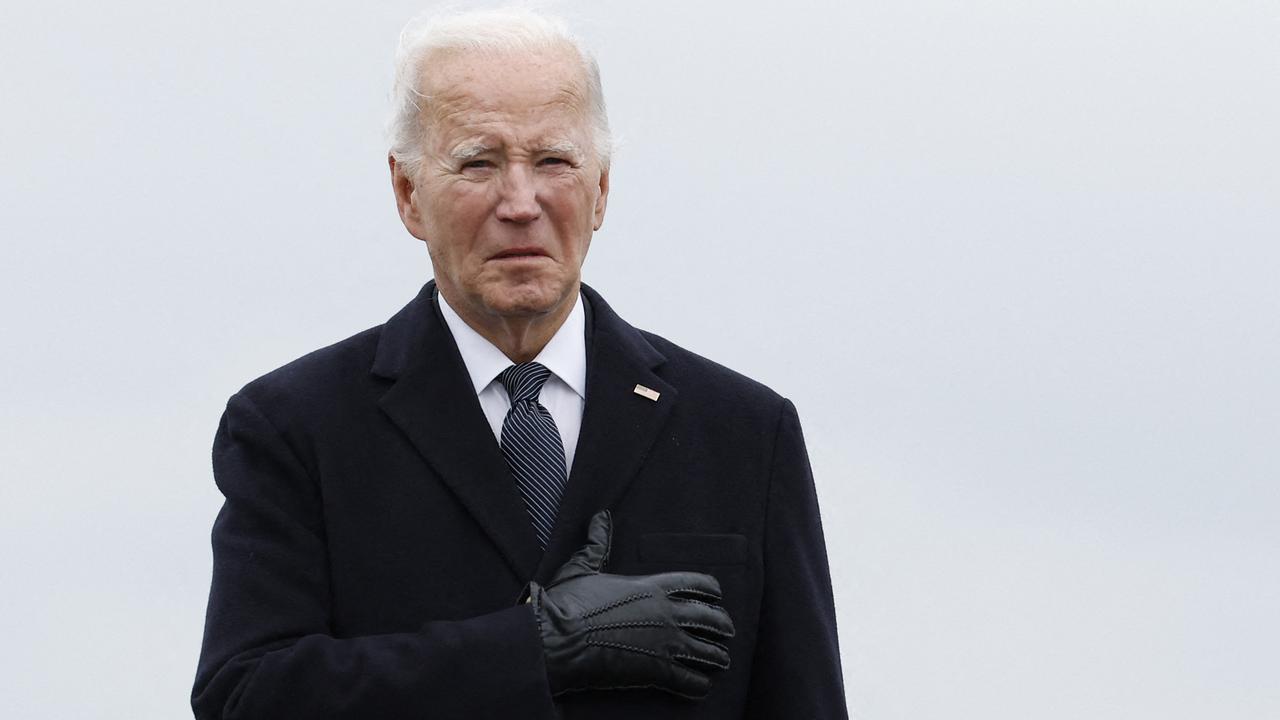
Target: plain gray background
{"x": 1015, "y": 262}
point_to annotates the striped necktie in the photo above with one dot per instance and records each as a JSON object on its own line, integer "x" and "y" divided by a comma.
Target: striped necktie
{"x": 532, "y": 447}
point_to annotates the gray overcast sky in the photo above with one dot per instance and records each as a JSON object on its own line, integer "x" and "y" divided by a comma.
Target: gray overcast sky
{"x": 1015, "y": 262}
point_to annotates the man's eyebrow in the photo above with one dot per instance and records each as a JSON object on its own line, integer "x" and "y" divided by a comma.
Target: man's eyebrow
{"x": 469, "y": 151}
{"x": 562, "y": 147}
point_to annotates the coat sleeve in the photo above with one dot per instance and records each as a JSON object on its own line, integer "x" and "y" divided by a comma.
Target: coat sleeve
{"x": 269, "y": 651}
{"x": 795, "y": 672}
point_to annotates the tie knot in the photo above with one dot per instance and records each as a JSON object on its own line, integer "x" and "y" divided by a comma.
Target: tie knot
{"x": 524, "y": 381}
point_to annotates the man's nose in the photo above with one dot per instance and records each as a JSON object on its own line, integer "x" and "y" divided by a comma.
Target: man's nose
{"x": 519, "y": 200}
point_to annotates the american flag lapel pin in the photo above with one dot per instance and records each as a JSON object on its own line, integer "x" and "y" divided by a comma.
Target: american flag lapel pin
{"x": 650, "y": 393}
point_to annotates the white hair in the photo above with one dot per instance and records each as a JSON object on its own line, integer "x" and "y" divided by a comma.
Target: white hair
{"x": 499, "y": 30}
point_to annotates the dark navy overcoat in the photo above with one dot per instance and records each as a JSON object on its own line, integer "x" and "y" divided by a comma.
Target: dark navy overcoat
{"x": 372, "y": 548}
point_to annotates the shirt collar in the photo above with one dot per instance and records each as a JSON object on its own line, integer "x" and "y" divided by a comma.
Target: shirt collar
{"x": 565, "y": 355}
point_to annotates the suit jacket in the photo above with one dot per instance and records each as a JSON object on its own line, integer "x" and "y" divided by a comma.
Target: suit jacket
{"x": 372, "y": 548}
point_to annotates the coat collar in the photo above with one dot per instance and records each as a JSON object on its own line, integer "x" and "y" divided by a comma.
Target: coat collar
{"x": 435, "y": 406}
{"x": 618, "y": 426}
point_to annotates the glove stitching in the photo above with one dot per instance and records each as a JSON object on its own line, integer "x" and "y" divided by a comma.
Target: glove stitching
{"x": 616, "y": 604}
{"x": 620, "y": 646}
{"x": 700, "y": 661}
{"x": 617, "y": 625}
{"x": 722, "y": 646}
{"x": 698, "y": 602}
{"x": 701, "y": 626}
{"x": 695, "y": 591}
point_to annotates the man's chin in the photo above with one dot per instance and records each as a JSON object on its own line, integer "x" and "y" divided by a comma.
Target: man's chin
{"x": 525, "y": 300}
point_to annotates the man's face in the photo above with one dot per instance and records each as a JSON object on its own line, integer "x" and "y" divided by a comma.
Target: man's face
{"x": 510, "y": 190}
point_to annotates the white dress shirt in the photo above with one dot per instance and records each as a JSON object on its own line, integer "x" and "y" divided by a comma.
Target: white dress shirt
{"x": 565, "y": 392}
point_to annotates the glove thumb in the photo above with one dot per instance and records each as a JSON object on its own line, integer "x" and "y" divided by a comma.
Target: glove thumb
{"x": 590, "y": 558}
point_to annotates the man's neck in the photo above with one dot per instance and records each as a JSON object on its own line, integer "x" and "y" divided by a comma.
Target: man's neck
{"x": 520, "y": 337}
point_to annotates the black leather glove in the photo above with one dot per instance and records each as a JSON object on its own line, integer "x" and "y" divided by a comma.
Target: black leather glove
{"x": 607, "y": 632}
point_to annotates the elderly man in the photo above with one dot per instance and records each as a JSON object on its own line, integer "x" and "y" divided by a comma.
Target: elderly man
{"x": 506, "y": 501}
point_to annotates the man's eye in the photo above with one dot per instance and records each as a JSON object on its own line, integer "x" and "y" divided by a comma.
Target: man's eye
{"x": 552, "y": 161}
{"x": 476, "y": 164}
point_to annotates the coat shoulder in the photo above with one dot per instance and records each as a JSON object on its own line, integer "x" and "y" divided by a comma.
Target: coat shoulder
{"x": 697, "y": 375}
{"x": 320, "y": 377}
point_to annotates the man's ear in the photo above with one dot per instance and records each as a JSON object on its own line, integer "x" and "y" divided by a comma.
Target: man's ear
{"x": 603, "y": 200}
{"x": 403, "y": 186}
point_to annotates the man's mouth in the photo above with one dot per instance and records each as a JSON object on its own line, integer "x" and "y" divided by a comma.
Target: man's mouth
{"x": 519, "y": 252}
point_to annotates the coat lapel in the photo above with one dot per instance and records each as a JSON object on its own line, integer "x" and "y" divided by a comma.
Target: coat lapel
{"x": 434, "y": 405}
{"x": 618, "y": 426}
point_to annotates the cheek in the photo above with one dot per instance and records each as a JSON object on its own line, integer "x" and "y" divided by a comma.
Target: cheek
{"x": 573, "y": 201}
{"x": 454, "y": 222}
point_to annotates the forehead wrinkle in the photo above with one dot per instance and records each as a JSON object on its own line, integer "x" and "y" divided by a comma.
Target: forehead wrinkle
{"x": 458, "y": 103}
{"x": 473, "y": 136}
{"x": 456, "y": 96}
{"x": 468, "y": 111}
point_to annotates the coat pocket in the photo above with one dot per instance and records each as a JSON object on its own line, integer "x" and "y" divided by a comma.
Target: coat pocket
{"x": 693, "y": 549}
